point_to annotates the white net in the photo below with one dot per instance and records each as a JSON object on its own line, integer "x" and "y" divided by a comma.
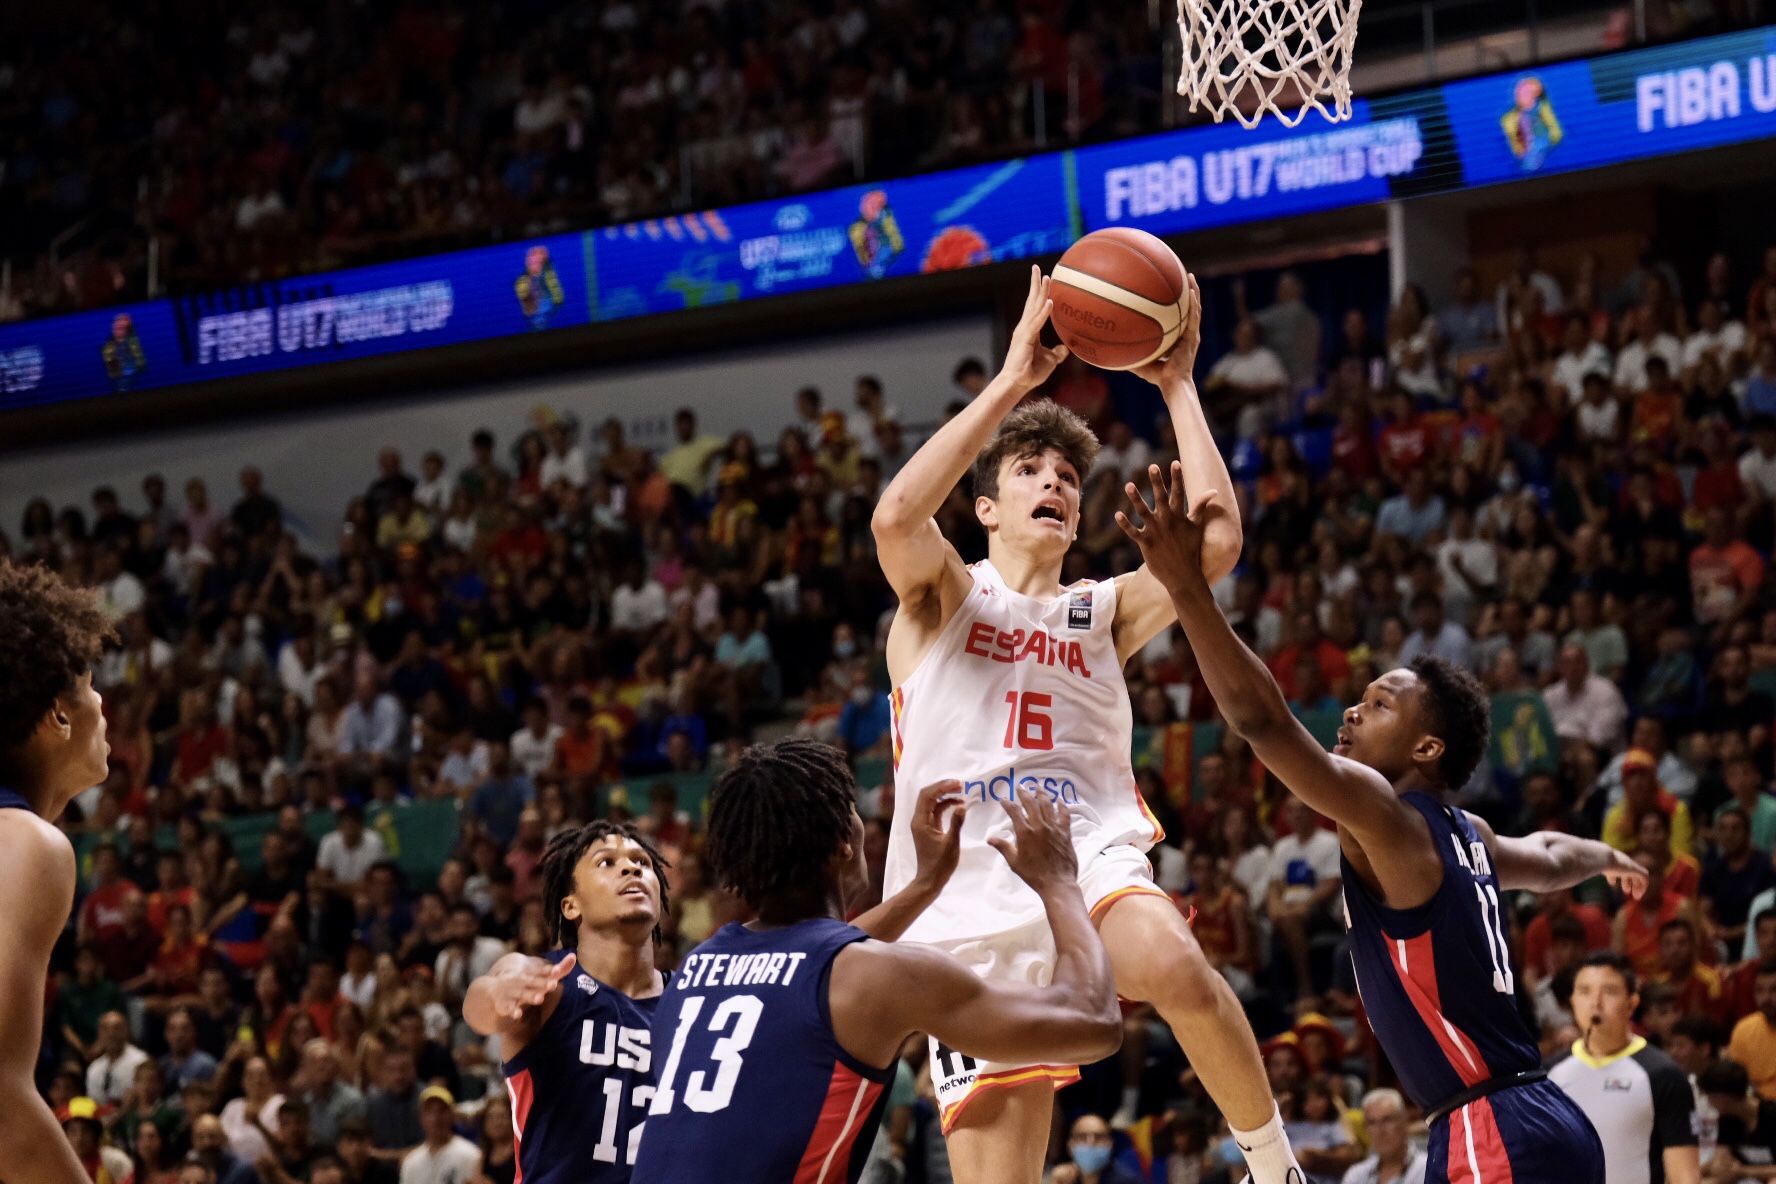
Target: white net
{"x": 1247, "y": 58}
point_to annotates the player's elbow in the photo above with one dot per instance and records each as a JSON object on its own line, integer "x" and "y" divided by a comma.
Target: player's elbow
{"x": 1100, "y": 1035}
{"x": 892, "y": 519}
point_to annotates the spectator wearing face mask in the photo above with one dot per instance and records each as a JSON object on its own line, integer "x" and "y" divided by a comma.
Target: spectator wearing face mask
{"x": 1089, "y": 1150}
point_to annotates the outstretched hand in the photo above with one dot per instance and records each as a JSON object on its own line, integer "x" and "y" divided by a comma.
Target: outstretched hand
{"x": 1179, "y": 367}
{"x": 1171, "y": 539}
{"x": 1627, "y": 876}
{"x": 1028, "y": 362}
{"x": 529, "y": 985}
{"x": 937, "y": 831}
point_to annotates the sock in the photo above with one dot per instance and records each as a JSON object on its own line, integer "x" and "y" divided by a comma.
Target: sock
{"x": 1267, "y": 1153}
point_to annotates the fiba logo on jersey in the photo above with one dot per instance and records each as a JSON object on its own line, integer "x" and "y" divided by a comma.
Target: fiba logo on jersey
{"x": 587, "y": 984}
{"x": 1079, "y": 609}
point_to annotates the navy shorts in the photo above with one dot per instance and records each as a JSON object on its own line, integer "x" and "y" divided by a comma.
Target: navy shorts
{"x": 1528, "y": 1134}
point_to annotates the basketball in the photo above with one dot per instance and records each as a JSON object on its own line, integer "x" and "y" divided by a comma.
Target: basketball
{"x": 1119, "y": 298}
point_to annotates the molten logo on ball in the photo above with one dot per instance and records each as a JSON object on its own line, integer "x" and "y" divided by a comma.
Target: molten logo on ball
{"x": 1087, "y": 317}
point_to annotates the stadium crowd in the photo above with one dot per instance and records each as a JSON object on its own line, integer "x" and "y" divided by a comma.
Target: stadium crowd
{"x": 1578, "y": 505}
{"x": 302, "y": 135}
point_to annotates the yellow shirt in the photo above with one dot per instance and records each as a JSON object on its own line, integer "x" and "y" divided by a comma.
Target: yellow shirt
{"x": 688, "y": 463}
{"x": 1754, "y": 1046}
{"x": 1618, "y": 828}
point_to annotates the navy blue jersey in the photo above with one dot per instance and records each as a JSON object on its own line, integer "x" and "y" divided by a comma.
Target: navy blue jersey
{"x": 1436, "y": 980}
{"x": 753, "y": 1086}
{"x": 580, "y": 1088}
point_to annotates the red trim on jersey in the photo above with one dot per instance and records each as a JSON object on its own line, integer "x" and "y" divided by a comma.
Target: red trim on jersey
{"x": 1415, "y": 963}
{"x": 1159, "y": 831}
{"x": 523, "y": 1096}
{"x": 849, "y": 1100}
{"x": 1489, "y": 1162}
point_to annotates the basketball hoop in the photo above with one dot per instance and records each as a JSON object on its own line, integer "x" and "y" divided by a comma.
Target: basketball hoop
{"x": 1248, "y": 57}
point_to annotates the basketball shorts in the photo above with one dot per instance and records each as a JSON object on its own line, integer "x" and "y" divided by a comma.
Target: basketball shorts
{"x": 1026, "y": 954}
{"x": 1527, "y": 1132}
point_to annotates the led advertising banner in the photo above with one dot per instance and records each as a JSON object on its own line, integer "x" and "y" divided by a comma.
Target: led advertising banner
{"x": 1504, "y": 127}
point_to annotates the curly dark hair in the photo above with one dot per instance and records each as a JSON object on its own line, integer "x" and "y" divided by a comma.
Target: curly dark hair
{"x": 563, "y": 855}
{"x": 1458, "y": 712}
{"x": 777, "y": 815}
{"x": 1031, "y": 430}
{"x": 50, "y": 635}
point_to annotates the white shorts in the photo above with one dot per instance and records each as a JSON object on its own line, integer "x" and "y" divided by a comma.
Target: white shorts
{"x": 1026, "y": 954}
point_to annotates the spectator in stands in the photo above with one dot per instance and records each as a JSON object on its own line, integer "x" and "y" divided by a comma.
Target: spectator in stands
{"x": 1747, "y": 1122}
{"x": 1586, "y": 707}
{"x": 1247, "y": 381}
{"x": 1433, "y": 634}
{"x": 1646, "y": 341}
{"x": 1753, "y": 1043}
{"x": 1470, "y": 322}
{"x": 1090, "y": 1152}
{"x": 348, "y": 852}
{"x": 112, "y": 1073}
{"x": 533, "y": 746}
{"x": 1304, "y": 878}
{"x": 443, "y": 1156}
{"x": 1414, "y": 514}
{"x": 331, "y": 1102}
{"x": 1641, "y": 794}
{"x": 392, "y": 1109}
{"x": 371, "y": 729}
{"x": 184, "y": 1061}
{"x": 1725, "y": 573}
{"x": 1393, "y": 1159}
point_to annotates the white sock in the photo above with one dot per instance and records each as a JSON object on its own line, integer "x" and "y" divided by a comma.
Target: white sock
{"x": 1267, "y": 1153}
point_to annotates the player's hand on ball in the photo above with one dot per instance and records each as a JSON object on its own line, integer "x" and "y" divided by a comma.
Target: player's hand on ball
{"x": 937, "y": 831}
{"x": 1179, "y": 367}
{"x": 1028, "y": 362}
{"x": 1171, "y": 537}
{"x": 1626, "y": 876}
{"x": 1040, "y": 850}
{"x": 528, "y": 985}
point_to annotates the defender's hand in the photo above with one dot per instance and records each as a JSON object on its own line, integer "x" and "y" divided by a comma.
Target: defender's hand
{"x": 1178, "y": 368}
{"x": 528, "y": 986}
{"x": 1028, "y": 362}
{"x": 1171, "y": 540}
{"x": 937, "y": 832}
{"x": 1042, "y": 854}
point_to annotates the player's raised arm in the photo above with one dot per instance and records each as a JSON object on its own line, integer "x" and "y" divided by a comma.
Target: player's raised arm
{"x": 1353, "y": 795}
{"x": 1551, "y": 862}
{"x": 937, "y": 842}
{"x": 514, "y": 998}
{"x": 880, "y": 993}
{"x": 37, "y": 882}
{"x": 914, "y": 555}
{"x": 1145, "y": 606}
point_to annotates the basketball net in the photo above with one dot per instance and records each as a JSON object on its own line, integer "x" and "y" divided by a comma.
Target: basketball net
{"x": 1246, "y": 58}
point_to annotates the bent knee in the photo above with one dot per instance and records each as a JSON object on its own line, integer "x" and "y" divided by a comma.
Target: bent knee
{"x": 1178, "y": 978}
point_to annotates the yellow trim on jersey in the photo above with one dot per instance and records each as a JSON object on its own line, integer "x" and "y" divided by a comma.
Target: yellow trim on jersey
{"x": 1103, "y": 905}
{"x": 1060, "y": 1075}
{"x": 1628, "y": 1050}
{"x": 896, "y": 707}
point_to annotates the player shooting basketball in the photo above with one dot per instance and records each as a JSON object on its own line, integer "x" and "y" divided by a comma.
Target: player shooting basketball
{"x": 1012, "y": 684}
{"x": 52, "y": 746}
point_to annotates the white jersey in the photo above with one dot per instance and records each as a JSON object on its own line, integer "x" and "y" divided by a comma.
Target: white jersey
{"x": 1017, "y": 695}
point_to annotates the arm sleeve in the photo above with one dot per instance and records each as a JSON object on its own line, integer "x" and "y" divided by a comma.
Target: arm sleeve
{"x": 1674, "y": 1105}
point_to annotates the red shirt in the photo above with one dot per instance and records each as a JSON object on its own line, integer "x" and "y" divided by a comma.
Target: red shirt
{"x": 1354, "y": 453}
{"x": 198, "y": 751}
{"x": 1404, "y": 446}
{"x": 1538, "y": 935}
{"x": 1334, "y": 665}
{"x": 102, "y": 911}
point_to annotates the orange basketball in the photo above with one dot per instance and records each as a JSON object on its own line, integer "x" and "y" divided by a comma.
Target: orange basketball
{"x": 1119, "y": 298}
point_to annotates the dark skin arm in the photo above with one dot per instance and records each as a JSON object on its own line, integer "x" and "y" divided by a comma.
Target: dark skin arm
{"x": 1369, "y": 814}
{"x": 515, "y": 998}
{"x": 37, "y": 882}
{"x": 881, "y": 993}
{"x": 938, "y": 848}
{"x": 1549, "y": 861}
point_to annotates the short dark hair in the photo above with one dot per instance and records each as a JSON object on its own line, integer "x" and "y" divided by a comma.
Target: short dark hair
{"x": 1610, "y": 960}
{"x": 1031, "y": 430}
{"x": 564, "y": 853}
{"x": 1683, "y": 923}
{"x": 777, "y": 815}
{"x": 1458, "y": 712}
{"x": 966, "y": 368}
{"x": 1724, "y": 1077}
{"x": 50, "y": 636}
{"x": 1700, "y": 1029}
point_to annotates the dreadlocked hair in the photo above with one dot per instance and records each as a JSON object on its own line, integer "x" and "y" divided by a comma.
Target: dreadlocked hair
{"x": 777, "y": 815}
{"x": 1458, "y": 713}
{"x": 50, "y": 635}
{"x": 563, "y": 855}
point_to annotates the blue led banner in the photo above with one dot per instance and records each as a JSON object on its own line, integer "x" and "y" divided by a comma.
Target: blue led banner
{"x": 1504, "y": 127}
